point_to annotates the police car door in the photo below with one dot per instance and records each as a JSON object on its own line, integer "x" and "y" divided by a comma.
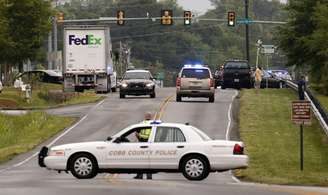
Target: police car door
{"x": 168, "y": 145}
{"x": 128, "y": 152}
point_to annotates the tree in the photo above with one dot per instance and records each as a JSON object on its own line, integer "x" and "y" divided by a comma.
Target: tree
{"x": 304, "y": 38}
{"x": 28, "y": 23}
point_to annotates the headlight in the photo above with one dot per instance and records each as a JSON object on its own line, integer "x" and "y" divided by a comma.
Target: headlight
{"x": 150, "y": 85}
{"x": 56, "y": 153}
{"x": 124, "y": 85}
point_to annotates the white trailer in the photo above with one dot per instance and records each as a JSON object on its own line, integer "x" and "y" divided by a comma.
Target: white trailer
{"x": 88, "y": 62}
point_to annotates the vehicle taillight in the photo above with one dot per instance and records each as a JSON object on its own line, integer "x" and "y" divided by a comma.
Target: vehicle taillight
{"x": 178, "y": 82}
{"x": 238, "y": 149}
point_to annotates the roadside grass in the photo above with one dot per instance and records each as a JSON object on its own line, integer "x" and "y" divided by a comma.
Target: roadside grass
{"x": 19, "y": 134}
{"x": 15, "y": 99}
{"x": 323, "y": 99}
{"x": 272, "y": 141}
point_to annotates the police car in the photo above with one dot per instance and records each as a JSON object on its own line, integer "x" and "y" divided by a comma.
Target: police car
{"x": 171, "y": 147}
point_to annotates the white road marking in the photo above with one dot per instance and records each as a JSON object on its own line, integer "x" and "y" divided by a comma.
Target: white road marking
{"x": 54, "y": 141}
{"x": 229, "y": 116}
{"x": 228, "y": 130}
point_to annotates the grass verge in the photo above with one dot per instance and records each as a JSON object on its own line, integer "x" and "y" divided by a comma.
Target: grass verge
{"x": 12, "y": 98}
{"x": 19, "y": 134}
{"x": 323, "y": 100}
{"x": 272, "y": 141}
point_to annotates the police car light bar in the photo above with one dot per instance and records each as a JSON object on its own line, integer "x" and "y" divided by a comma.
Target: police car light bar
{"x": 156, "y": 122}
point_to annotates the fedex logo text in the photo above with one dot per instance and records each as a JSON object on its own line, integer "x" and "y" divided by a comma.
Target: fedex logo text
{"x": 87, "y": 40}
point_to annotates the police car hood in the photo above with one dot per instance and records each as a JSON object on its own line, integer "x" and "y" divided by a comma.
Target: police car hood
{"x": 79, "y": 145}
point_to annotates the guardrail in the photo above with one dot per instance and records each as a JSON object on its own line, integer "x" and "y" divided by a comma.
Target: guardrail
{"x": 317, "y": 108}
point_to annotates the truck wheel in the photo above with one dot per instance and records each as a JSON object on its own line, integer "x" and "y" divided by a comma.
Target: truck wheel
{"x": 83, "y": 166}
{"x": 122, "y": 96}
{"x": 223, "y": 86}
{"x": 178, "y": 98}
{"x": 194, "y": 167}
{"x": 211, "y": 98}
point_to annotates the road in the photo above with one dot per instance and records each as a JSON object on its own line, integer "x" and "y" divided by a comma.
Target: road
{"x": 108, "y": 117}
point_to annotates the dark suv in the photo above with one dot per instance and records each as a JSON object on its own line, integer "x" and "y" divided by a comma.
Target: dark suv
{"x": 137, "y": 82}
{"x": 236, "y": 74}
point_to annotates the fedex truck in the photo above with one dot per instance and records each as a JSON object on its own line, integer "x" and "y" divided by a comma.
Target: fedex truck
{"x": 88, "y": 62}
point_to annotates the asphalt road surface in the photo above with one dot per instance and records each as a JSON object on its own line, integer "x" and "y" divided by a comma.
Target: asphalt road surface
{"x": 23, "y": 176}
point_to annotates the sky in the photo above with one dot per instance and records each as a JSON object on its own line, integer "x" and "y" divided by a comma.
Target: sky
{"x": 200, "y": 6}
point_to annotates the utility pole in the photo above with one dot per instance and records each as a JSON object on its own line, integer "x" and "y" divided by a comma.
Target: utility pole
{"x": 50, "y": 50}
{"x": 55, "y": 43}
{"x": 247, "y": 32}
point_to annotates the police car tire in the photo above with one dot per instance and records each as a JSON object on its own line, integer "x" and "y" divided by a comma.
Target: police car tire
{"x": 84, "y": 157}
{"x": 197, "y": 160}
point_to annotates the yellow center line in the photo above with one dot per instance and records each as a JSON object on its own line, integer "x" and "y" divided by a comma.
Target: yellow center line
{"x": 163, "y": 107}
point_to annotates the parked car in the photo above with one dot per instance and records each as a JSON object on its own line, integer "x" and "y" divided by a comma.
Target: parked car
{"x": 281, "y": 74}
{"x": 273, "y": 81}
{"x": 46, "y": 76}
{"x": 171, "y": 147}
{"x": 236, "y": 74}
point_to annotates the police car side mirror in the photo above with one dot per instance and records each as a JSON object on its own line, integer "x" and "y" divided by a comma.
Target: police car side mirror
{"x": 109, "y": 138}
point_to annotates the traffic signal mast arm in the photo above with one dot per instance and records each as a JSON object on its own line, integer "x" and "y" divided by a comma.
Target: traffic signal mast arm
{"x": 114, "y": 20}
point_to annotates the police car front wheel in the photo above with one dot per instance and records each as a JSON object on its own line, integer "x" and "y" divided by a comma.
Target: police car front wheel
{"x": 195, "y": 168}
{"x": 83, "y": 166}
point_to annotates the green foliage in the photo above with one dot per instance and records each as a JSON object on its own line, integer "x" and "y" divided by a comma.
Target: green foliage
{"x": 304, "y": 38}
{"x": 24, "y": 25}
{"x": 19, "y": 134}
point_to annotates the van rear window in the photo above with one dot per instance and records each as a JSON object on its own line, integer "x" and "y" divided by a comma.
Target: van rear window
{"x": 195, "y": 73}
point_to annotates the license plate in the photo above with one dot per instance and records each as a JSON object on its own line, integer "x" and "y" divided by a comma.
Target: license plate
{"x": 236, "y": 80}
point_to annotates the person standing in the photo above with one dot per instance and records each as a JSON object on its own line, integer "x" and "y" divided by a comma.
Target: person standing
{"x": 258, "y": 78}
{"x": 143, "y": 136}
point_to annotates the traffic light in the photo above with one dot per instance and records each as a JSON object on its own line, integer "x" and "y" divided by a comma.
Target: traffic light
{"x": 231, "y": 19}
{"x": 120, "y": 17}
{"x": 187, "y": 17}
{"x": 166, "y": 17}
{"x": 60, "y": 17}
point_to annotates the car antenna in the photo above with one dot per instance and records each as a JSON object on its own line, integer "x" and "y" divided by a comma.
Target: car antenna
{"x": 187, "y": 123}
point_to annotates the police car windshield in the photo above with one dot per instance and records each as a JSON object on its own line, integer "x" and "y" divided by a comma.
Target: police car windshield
{"x": 137, "y": 75}
{"x": 195, "y": 73}
{"x": 236, "y": 65}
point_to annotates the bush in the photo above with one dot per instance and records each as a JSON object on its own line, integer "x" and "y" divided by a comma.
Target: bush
{"x": 56, "y": 96}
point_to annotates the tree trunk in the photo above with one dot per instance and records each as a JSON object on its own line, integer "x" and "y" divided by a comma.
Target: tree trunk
{"x": 20, "y": 67}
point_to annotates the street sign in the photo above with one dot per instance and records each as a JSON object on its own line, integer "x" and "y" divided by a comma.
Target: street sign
{"x": 268, "y": 49}
{"x": 301, "y": 112}
{"x": 244, "y": 21}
